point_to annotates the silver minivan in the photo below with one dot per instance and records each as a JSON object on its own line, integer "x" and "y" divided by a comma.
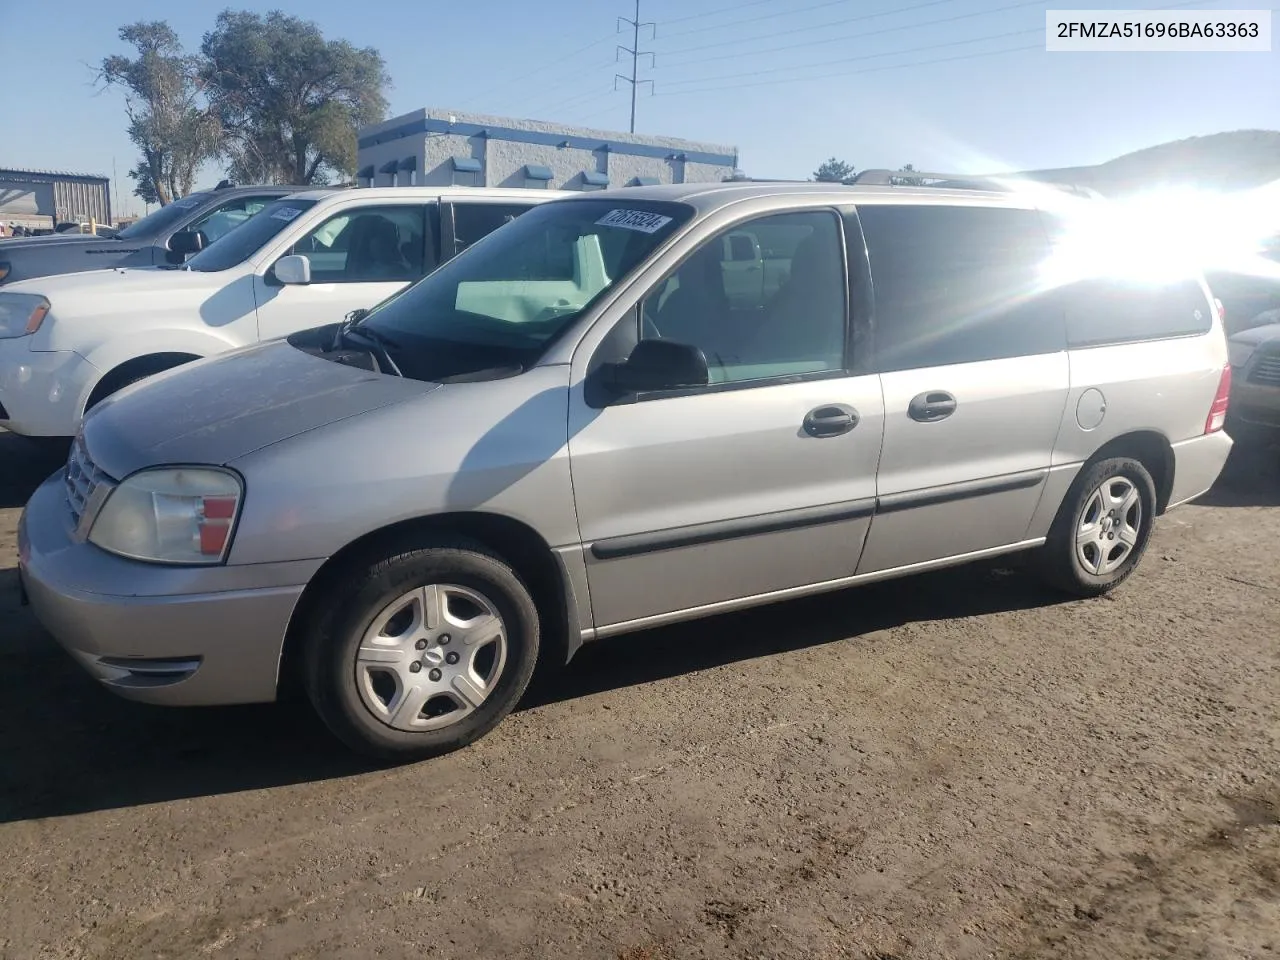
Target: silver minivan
{"x": 622, "y": 410}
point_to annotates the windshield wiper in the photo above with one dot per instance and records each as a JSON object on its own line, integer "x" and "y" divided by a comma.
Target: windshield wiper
{"x": 349, "y": 323}
{"x": 378, "y": 343}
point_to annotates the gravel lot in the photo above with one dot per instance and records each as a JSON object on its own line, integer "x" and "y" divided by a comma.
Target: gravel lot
{"x": 955, "y": 766}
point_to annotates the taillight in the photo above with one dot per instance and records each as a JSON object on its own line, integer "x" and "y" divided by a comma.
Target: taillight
{"x": 1222, "y": 311}
{"x": 1218, "y": 412}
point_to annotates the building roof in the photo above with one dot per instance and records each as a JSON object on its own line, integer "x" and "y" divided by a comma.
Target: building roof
{"x": 432, "y": 122}
{"x": 70, "y": 175}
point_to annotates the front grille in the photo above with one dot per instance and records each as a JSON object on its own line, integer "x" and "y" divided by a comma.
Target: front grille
{"x": 1266, "y": 368}
{"x": 82, "y": 478}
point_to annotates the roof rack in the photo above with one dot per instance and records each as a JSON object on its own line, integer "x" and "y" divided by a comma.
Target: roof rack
{"x": 955, "y": 181}
{"x": 950, "y": 181}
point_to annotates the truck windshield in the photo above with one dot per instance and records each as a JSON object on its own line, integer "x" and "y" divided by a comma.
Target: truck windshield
{"x": 502, "y": 301}
{"x": 244, "y": 241}
{"x": 162, "y": 219}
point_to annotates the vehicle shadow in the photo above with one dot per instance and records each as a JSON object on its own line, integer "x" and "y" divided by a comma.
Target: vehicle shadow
{"x": 1251, "y": 477}
{"x": 24, "y": 465}
{"x": 70, "y": 747}
{"x": 841, "y": 617}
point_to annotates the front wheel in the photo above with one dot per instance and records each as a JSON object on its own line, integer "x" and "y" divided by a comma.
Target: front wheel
{"x": 422, "y": 652}
{"x": 1102, "y": 528}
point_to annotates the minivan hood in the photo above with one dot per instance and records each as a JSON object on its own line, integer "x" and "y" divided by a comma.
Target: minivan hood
{"x": 222, "y": 408}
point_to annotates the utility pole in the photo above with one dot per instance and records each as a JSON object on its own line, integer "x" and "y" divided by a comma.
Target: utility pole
{"x": 636, "y": 54}
{"x": 117, "y": 213}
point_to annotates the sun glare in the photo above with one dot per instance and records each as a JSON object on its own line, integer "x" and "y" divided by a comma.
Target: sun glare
{"x": 1163, "y": 235}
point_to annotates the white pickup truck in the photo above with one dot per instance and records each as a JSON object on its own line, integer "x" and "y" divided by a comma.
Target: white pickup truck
{"x": 68, "y": 341}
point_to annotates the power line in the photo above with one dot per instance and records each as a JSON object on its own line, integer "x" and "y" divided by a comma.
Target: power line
{"x": 839, "y": 23}
{"x": 850, "y": 73}
{"x": 865, "y": 56}
{"x": 558, "y": 62}
{"x": 578, "y": 100}
{"x": 772, "y": 16}
{"x": 574, "y": 80}
{"x": 893, "y": 66}
{"x": 711, "y": 13}
{"x": 636, "y": 54}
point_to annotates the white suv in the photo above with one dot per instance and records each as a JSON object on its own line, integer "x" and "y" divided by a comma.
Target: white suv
{"x": 69, "y": 341}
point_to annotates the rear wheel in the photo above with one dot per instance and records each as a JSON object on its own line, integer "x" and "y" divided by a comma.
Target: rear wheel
{"x": 1102, "y": 528}
{"x": 422, "y": 652}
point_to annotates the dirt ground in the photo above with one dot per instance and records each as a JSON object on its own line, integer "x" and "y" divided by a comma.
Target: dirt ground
{"x": 955, "y": 766}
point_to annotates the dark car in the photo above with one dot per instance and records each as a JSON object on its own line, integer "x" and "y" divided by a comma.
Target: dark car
{"x": 166, "y": 236}
{"x": 1250, "y": 299}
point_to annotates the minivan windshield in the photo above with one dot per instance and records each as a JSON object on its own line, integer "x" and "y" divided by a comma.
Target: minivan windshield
{"x": 503, "y": 300}
{"x": 237, "y": 246}
{"x": 163, "y": 218}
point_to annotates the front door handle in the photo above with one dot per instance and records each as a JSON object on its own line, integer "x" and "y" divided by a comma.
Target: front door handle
{"x": 830, "y": 420}
{"x": 932, "y": 406}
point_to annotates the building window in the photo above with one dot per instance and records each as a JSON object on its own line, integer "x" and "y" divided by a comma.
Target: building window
{"x": 591, "y": 180}
{"x": 467, "y": 172}
{"x": 643, "y": 182}
{"x": 536, "y": 176}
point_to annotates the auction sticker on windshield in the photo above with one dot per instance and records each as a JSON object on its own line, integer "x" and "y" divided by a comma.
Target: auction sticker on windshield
{"x": 285, "y": 213}
{"x": 640, "y": 220}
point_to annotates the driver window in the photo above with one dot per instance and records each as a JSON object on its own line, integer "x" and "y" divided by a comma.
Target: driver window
{"x": 765, "y": 299}
{"x": 367, "y": 245}
{"x": 226, "y": 217}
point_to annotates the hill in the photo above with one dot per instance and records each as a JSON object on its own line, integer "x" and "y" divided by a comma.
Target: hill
{"x": 1232, "y": 160}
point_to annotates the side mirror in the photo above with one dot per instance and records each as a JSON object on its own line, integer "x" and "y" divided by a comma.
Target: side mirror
{"x": 186, "y": 242}
{"x": 293, "y": 270}
{"x": 660, "y": 365}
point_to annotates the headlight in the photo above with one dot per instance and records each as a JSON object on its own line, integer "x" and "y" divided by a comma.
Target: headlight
{"x": 21, "y": 314}
{"x": 1238, "y": 353}
{"x": 171, "y": 515}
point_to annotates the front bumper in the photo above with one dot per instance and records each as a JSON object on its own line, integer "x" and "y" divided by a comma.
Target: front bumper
{"x": 178, "y": 636}
{"x": 42, "y": 393}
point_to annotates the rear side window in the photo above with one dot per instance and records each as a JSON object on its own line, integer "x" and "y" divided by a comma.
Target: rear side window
{"x": 1102, "y": 310}
{"x": 1105, "y": 311}
{"x": 958, "y": 285}
{"x": 472, "y": 221}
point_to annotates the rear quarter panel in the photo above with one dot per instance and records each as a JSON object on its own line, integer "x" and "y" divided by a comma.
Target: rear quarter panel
{"x": 1162, "y": 386}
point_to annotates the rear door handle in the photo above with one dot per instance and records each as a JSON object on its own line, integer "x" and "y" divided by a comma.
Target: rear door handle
{"x": 932, "y": 406}
{"x": 830, "y": 420}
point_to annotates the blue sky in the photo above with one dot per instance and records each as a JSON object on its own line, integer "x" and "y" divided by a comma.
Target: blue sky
{"x": 790, "y": 82}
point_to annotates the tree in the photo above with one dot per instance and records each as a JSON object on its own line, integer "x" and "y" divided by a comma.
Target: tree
{"x": 833, "y": 171}
{"x": 162, "y": 101}
{"x": 289, "y": 101}
{"x": 144, "y": 187}
{"x": 908, "y": 181}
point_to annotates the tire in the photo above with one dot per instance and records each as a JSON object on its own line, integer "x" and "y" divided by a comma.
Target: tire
{"x": 370, "y": 644}
{"x": 1098, "y": 566}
